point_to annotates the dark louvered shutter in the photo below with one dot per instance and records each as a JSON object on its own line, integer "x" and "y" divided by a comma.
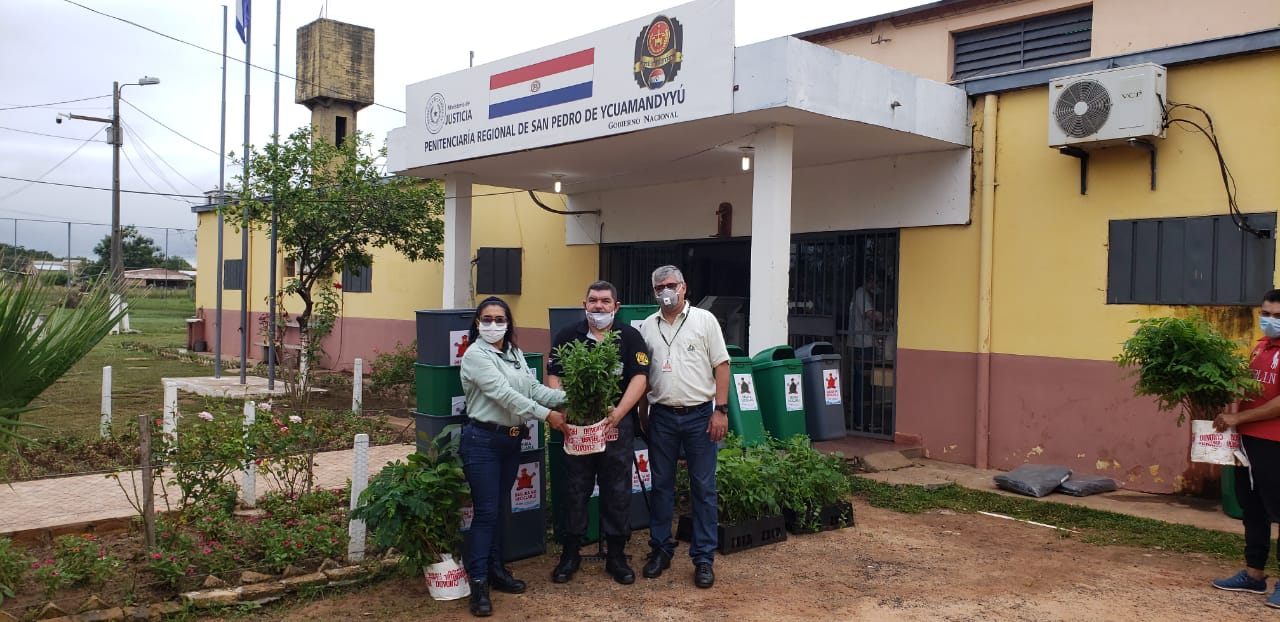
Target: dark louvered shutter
{"x": 1027, "y": 43}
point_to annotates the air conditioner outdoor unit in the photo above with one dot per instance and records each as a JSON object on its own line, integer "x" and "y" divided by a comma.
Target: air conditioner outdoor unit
{"x": 1107, "y": 107}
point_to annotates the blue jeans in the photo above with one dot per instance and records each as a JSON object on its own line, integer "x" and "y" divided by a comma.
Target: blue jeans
{"x": 490, "y": 460}
{"x": 668, "y": 432}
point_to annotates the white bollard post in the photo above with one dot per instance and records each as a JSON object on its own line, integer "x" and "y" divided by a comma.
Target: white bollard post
{"x": 249, "y": 476}
{"x": 357, "y": 386}
{"x": 104, "y": 426}
{"x": 359, "y": 481}
{"x": 170, "y": 412}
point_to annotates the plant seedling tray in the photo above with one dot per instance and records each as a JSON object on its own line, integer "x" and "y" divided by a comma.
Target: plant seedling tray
{"x": 834, "y": 516}
{"x": 739, "y": 536}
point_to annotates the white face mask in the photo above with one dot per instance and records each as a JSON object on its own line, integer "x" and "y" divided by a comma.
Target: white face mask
{"x": 493, "y": 333}
{"x": 600, "y": 321}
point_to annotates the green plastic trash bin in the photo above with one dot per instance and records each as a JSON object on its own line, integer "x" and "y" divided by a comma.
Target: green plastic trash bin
{"x": 438, "y": 390}
{"x": 780, "y": 391}
{"x": 1230, "y": 504}
{"x": 744, "y": 400}
{"x": 534, "y": 359}
{"x": 634, "y": 315}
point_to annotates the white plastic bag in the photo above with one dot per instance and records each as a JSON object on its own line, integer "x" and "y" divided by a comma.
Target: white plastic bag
{"x": 1211, "y": 446}
{"x": 583, "y": 440}
{"x": 447, "y": 580}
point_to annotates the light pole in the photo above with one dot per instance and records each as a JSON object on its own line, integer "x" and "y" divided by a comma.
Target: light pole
{"x": 116, "y": 139}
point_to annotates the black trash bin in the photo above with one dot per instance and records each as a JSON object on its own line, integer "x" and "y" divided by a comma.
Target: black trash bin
{"x": 442, "y": 335}
{"x": 824, "y": 408}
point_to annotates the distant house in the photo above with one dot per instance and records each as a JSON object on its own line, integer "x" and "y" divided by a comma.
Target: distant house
{"x": 158, "y": 277}
{"x": 56, "y": 265}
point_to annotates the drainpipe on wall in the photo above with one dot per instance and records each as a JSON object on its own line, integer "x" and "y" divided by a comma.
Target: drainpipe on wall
{"x": 987, "y": 232}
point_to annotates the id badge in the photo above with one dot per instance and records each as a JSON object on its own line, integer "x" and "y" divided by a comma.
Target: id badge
{"x": 666, "y": 366}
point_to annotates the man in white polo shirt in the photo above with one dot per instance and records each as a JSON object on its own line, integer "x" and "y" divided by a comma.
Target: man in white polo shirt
{"x": 688, "y": 369}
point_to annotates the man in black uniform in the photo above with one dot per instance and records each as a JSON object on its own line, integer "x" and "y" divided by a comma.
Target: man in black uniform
{"x": 612, "y": 468}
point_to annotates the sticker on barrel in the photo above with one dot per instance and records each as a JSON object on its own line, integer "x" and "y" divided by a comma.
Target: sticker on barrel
{"x": 458, "y": 341}
{"x": 640, "y": 472}
{"x": 831, "y": 385}
{"x": 791, "y": 389}
{"x": 526, "y": 494}
{"x": 744, "y": 385}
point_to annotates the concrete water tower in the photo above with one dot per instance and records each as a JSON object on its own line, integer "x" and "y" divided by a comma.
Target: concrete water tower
{"x": 335, "y": 75}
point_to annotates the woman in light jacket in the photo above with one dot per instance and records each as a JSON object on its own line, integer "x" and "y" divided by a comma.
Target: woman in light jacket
{"x": 502, "y": 394}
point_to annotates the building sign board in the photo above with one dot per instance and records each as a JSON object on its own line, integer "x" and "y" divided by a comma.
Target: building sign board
{"x": 668, "y": 67}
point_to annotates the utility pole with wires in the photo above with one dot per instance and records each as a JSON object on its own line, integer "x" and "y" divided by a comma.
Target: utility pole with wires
{"x": 116, "y": 140}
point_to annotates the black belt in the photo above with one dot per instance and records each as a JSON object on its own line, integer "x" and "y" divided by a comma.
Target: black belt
{"x": 505, "y": 430}
{"x": 684, "y": 410}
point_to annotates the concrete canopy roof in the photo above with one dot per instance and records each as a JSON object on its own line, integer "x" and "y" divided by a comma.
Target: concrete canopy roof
{"x": 843, "y": 108}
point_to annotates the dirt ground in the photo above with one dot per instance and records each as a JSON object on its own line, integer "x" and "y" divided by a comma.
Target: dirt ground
{"x": 891, "y": 566}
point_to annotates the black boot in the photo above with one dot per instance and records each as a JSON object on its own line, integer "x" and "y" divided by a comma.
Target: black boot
{"x": 500, "y": 579}
{"x": 616, "y": 561}
{"x": 570, "y": 561}
{"x": 481, "y": 606}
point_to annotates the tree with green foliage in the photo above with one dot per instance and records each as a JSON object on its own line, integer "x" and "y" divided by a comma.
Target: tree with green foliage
{"x": 334, "y": 206}
{"x": 18, "y": 258}
{"x": 139, "y": 252}
{"x": 40, "y": 342}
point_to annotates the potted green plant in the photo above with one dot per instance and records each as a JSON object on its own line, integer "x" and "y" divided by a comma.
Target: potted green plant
{"x": 415, "y": 507}
{"x": 747, "y": 494}
{"x": 1190, "y": 368}
{"x": 589, "y": 378}
{"x": 1187, "y": 365}
{"x": 813, "y": 489}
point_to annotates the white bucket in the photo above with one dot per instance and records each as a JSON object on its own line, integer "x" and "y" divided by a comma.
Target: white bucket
{"x": 447, "y": 580}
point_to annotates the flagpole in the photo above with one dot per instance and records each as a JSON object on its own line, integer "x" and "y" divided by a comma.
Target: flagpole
{"x": 244, "y": 227}
{"x": 275, "y": 140}
{"x": 222, "y": 194}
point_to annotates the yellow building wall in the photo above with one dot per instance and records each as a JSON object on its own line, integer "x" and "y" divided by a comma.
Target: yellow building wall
{"x": 1050, "y": 259}
{"x": 1050, "y": 242}
{"x": 553, "y": 274}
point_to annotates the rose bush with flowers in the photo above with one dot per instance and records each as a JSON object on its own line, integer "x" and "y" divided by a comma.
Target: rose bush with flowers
{"x": 77, "y": 559}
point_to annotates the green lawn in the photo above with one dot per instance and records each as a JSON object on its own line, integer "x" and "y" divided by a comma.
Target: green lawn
{"x": 73, "y": 404}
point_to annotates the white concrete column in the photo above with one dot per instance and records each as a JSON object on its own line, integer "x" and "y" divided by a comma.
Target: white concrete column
{"x": 359, "y": 481}
{"x": 457, "y": 241}
{"x": 770, "y": 238}
{"x": 104, "y": 424}
{"x": 249, "y": 476}
{"x": 357, "y": 386}
{"x": 170, "y": 421}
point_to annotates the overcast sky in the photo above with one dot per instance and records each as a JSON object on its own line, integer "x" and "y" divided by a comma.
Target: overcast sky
{"x": 58, "y": 50}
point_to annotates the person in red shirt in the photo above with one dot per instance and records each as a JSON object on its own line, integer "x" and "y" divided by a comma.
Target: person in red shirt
{"x": 1258, "y": 422}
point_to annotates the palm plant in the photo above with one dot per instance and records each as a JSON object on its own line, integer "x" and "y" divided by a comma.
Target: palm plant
{"x": 34, "y": 351}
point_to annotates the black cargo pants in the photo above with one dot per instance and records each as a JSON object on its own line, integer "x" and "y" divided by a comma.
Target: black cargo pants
{"x": 612, "y": 469}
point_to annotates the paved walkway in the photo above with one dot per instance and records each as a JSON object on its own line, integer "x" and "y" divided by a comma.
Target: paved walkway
{"x": 68, "y": 503}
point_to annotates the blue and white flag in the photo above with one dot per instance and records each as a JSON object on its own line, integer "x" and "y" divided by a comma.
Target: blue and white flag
{"x": 242, "y": 19}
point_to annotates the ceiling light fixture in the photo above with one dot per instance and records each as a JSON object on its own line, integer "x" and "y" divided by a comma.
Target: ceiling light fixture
{"x": 746, "y": 157}
{"x": 557, "y": 186}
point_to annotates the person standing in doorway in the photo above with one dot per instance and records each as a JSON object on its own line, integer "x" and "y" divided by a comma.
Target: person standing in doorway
{"x": 863, "y": 319}
{"x": 1258, "y": 422}
{"x": 612, "y": 468}
{"x": 502, "y": 395}
{"x": 691, "y": 369}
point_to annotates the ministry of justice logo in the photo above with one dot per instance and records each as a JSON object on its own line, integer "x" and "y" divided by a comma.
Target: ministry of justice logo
{"x": 658, "y": 52}
{"x": 435, "y": 113}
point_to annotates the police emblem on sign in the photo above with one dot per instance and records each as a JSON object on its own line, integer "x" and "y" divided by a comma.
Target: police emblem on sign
{"x": 658, "y": 52}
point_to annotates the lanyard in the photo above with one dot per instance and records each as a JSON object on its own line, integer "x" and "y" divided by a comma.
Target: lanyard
{"x": 673, "y": 335}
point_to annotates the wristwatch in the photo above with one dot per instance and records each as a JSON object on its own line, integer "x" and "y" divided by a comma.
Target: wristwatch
{"x": 724, "y": 408}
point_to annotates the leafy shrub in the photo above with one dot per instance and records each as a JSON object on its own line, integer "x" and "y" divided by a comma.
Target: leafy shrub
{"x": 810, "y": 479}
{"x": 393, "y": 371}
{"x": 416, "y": 506}
{"x": 13, "y": 562}
{"x": 209, "y": 448}
{"x": 286, "y": 541}
{"x": 747, "y": 481}
{"x": 1187, "y": 366}
{"x": 77, "y": 559}
{"x": 589, "y": 378}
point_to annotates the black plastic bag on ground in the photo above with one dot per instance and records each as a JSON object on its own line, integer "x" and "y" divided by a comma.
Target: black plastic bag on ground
{"x": 1034, "y": 480}
{"x": 1085, "y": 485}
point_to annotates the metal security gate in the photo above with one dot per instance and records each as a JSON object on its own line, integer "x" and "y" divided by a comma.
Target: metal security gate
{"x": 843, "y": 290}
